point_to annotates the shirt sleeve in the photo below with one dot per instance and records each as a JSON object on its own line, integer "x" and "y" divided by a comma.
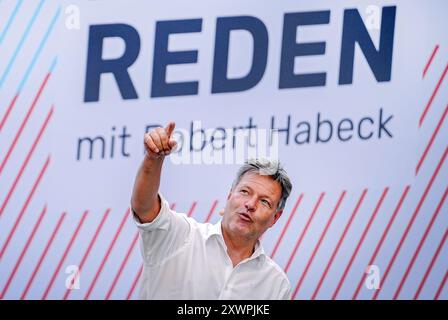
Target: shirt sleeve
{"x": 285, "y": 292}
{"x": 164, "y": 236}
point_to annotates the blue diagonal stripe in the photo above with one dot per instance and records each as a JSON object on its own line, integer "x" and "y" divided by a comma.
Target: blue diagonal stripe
{"x": 10, "y": 20}
{"x": 53, "y": 64}
{"x": 22, "y": 41}
{"x": 39, "y": 50}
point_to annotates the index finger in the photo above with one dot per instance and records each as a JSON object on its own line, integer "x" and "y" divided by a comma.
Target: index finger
{"x": 169, "y": 129}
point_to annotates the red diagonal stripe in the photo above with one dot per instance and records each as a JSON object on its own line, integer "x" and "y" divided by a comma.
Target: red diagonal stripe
{"x": 25, "y": 206}
{"x": 360, "y": 242}
{"x": 42, "y": 257}
{"x": 316, "y": 248}
{"x": 430, "y": 60}
{"x": 338, "y": 245}
{"x": 123, "y": 264}
{"x": 25, "y": 120}
{"x": 212, "y": 209}
{"x": 291, "y": 215}
{"x": 190, "y": 212}
{"x": 431, "y": 141}
{"x": 22, "y": 254}
{"x": 134, "y": 283}
{"x": 89, "y": 248}
{"x": 173, "y": 205}
{"x": 109, "y": 250}
{"x": 10, "y": 107}
{"x": 439, "y": 291}
{"x": 408, "y": 227}
{"x": 25, "y": 163}
{"x": 67, "y": 249}
{"x": 299, "y": 241}
{"x": 420, "y": 245}
{"x": 383, "y": 237}
{"x": 428, "y": 105}
{"x": 433, "y": 260}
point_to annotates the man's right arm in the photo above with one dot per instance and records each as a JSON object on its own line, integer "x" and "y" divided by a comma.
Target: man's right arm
{"x": 145, "y": 201}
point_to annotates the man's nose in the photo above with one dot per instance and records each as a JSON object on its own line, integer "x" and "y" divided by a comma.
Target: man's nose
{"x": 251, "y": 204}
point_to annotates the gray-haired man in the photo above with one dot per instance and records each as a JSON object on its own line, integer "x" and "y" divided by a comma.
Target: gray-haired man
{"x": 184, "y": 259}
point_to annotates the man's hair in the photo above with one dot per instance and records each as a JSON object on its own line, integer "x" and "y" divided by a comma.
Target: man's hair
{"x": 270, "y": 168}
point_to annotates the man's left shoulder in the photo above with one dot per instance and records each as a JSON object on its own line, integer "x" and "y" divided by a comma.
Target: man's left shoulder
{"x": 274, "y": 267}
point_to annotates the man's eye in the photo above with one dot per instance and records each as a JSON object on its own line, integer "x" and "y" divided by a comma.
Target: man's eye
{"x": 265, "y": 202}
{"x": 244, "y": 191}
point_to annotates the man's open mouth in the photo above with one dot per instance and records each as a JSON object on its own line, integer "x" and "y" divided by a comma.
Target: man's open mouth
{"x": 245, "y": 217}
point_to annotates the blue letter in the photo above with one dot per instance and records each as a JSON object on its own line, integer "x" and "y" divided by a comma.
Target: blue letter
{"x": 163, "y": 58}
{"x": 118, "y": 67}
{"x": 354, "y": 30}
{"x": 291, "y": 49}
{"x": 257, "y": 29}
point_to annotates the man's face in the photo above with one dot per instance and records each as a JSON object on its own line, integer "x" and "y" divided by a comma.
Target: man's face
{"x": 251, "y": 206}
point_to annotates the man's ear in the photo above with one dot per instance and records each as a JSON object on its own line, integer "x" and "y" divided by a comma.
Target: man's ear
{"x": 277, "y": 216}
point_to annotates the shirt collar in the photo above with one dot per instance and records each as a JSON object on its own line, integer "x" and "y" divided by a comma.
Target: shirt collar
{"x": 216, "y": 230}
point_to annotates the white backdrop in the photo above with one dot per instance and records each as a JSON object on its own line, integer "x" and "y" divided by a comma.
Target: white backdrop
{"x": 356, "y": 203}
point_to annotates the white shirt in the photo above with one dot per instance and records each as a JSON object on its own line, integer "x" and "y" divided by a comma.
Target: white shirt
{"x": 184, "y": 259}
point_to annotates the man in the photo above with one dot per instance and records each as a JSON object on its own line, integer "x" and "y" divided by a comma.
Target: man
{"x": 184, "y": 259}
